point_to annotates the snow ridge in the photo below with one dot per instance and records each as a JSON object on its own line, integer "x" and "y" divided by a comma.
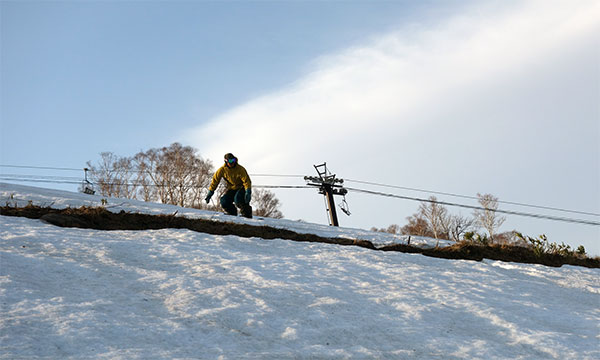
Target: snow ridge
{"x": 177, "y": 294}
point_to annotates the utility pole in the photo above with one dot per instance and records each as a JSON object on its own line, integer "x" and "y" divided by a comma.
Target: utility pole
{"x": 328, "y": 186}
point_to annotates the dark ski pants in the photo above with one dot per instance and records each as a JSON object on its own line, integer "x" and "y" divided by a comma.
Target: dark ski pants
{"x": 239, "y": 198}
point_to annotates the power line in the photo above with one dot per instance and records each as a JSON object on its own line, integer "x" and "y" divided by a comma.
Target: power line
{"x": 40, "y": 167}
{"x": 283, "y": 186}
{"x": 40, "y": 176}
{"x": 509, "y": 212}
{"x": 59, "y": 180}
{"x": 474, "y": 198}
{"x": 135, "y": 169}
{"x": 71, "y": 180}
{"x": 277, "y": 175}
{"x": 44, "y": 181}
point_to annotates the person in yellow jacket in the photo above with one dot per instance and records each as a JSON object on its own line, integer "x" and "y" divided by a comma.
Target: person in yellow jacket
{"x": 239, "y": 187}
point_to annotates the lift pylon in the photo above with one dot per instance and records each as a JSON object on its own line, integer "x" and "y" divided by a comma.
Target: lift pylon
{"x": 328, "y": 186}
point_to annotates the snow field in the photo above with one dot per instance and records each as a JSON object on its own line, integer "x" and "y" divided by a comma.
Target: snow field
{"x": 21, "y": 195}
{"x": 177, "y": 294}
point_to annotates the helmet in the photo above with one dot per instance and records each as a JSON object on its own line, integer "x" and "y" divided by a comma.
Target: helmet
{"x": 230, "y": 158}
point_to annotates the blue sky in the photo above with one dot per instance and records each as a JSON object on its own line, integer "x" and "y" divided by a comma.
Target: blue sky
{"x": 150, "y": 67}
{"x": 462, "y": 97}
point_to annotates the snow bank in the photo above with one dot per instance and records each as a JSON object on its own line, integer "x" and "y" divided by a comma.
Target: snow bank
{"x": 178, "y": 294}
{"x": 21, "y": 195}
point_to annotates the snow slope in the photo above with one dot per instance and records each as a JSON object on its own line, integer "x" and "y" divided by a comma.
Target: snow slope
{"x": 178, "y": 294}
{"x": 20, "y": 195}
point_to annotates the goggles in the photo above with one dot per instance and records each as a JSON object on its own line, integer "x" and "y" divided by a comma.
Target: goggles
{"x": 230, "y": 161}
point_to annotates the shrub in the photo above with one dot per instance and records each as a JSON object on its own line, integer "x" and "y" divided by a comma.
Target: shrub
{"x": 476, "y": 238}
{"x": 541, "y": 246}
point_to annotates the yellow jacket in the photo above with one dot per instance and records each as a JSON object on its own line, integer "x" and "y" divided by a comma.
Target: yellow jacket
{"x": 235, "y": 177}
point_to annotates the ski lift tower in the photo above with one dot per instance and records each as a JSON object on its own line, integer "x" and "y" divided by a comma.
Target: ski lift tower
{"x": 328, "y": 186}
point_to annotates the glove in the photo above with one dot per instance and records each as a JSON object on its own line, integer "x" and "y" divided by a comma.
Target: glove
{"x": 248, "y": 196}
{"x": 209, "y": 195}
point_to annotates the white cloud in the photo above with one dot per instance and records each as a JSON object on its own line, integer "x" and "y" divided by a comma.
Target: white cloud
{"x": 401, "y": 96}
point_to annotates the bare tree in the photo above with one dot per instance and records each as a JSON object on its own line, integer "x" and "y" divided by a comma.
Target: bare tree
{"x": 146, "y": 190}
{"x": 173, "y": 175}
{"x": 487, "y": 217}
{"x": 190, "y": 175}
{"x": 459, "y": 225}
{"x": 436, "y": 214}
{"x": 178, "y": 167}
{"x": 445, "y": 221}
{"x": 103, "y": 174}
{"x": 417, "y": 225}
{"x": 114, "y": 176}
{"x": 154, "y": 187}
{"x": 266, "y": 204}
{"x": 392, "y": 229}
{"x": 201, "y": 178}
{"x": 126, "y": 186}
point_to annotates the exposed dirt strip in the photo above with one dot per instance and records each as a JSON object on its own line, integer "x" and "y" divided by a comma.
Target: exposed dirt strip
{"x": 101, "y": 219}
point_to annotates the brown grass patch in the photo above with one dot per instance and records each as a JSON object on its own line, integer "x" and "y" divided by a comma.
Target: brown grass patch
{"x": 101, "y": 219}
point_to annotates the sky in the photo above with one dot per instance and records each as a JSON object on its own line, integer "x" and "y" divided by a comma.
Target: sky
{"x": 459, "y": 97}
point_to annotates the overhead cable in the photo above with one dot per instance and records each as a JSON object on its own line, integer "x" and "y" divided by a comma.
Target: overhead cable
{"x": 40, "y": 167}
{"x": 509, "y": 212}
{"x": 134, "y": 169}
{"x": 66, "y": 181}
{"x": 71, "y": 180}
{"x": 473, "y": 197}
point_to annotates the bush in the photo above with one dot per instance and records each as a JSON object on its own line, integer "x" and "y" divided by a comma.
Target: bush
{"x": 541, "y": 246}
{"x": 477, "y": 238}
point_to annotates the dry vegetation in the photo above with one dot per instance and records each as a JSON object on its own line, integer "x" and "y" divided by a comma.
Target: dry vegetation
{"x": 101, "y": 219}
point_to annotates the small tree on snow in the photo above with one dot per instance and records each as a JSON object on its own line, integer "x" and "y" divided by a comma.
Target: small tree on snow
{"x": 459, "y": 225}
{"x": 392, "y": 229}
{"x": 266, "y": 204}
{"x": 417, "y": 225}
{"x": 488, "y": 218}
{"x": 437, "y": 216}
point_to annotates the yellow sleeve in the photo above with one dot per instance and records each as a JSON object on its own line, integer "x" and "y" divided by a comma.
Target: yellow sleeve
{"x": 216, "y": 179}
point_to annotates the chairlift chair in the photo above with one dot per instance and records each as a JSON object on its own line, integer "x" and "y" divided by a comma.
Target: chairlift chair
{"x": 86, "y": 186}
